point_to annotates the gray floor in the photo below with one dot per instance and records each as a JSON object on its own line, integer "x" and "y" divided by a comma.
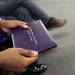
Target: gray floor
{"x": 61, "y": 60}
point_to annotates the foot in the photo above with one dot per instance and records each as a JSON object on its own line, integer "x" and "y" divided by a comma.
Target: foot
{"x": 55, "y": 23}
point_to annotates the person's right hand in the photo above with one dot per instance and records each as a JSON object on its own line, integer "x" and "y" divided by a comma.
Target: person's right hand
{"x": 17, "y": 59}
{"x": 7, "y": 25}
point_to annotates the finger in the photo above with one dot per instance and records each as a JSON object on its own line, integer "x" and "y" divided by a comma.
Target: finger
{"x": 15, "y": 24}
{"x": 29, "y": 61}
{"x": 16, "y": 70}
{"x": 20, "y": 70}
{"x": 23, "y": 70}
{"x": 23, "y": 24}
{"x": 5, "y": 30}
{"x": 28, "y": 53}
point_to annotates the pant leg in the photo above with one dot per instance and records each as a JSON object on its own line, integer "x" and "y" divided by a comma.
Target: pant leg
{"x": 21, "y": 13}
{"x": 7, "y": 6}
{"x": 36, "y": 11}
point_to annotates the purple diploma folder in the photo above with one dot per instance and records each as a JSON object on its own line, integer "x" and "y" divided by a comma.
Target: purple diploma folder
{"x": 36, "y": 37}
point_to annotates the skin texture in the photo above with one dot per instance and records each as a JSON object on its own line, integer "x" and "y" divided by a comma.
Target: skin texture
{"x": 16, "y": 59}
{"x": 7, "y": 25}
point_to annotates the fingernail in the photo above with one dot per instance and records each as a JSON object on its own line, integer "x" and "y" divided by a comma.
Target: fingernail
{"x": 34, "y": 53}
{"x": 25, "y": 26}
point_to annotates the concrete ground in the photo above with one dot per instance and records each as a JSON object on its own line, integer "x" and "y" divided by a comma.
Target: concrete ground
{"x": 60, "y": 60}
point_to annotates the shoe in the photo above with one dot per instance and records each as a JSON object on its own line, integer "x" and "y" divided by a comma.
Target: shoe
{"x": 37, "y": 68}
{"x": 55, "y": 23}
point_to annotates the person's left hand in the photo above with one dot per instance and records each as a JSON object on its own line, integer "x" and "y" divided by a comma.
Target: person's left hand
{"x": 7, "y": 25}
{"x": 17, "y": 59}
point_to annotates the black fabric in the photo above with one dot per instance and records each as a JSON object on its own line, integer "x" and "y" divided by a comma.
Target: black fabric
{"x": 10, "y": 18}
{"x": 6, "y": 44}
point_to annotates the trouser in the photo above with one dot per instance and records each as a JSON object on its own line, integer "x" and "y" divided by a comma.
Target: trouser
{"x": 27, "y": 10}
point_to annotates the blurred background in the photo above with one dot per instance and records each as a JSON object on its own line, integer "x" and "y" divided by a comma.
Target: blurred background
{"x": 61, "y": 60}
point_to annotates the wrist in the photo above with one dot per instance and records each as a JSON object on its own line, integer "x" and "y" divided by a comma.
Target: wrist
{"x": 1, "y": 21}
{"x": 1, "y": 24}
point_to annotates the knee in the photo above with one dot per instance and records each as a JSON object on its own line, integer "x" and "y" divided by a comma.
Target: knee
{"x": 21, "y": 10}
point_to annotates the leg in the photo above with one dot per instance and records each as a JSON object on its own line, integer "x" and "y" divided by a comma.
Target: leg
{"x": 49, "y": 22}
{"x": 36, "y": 11}
{"x": 6, "y": 6}
{"x": 21, "y": 13}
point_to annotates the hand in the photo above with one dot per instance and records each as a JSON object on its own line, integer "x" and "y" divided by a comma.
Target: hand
{"x": 17, "y": 59}
{"x": 7, "y": 25}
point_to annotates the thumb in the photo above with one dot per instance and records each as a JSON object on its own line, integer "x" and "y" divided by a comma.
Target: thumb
{"x": 28, "y": 61}
{"x": 28, "y": 53}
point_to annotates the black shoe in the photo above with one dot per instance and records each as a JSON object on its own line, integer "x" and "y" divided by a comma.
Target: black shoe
{"x": 37, "y": 68}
